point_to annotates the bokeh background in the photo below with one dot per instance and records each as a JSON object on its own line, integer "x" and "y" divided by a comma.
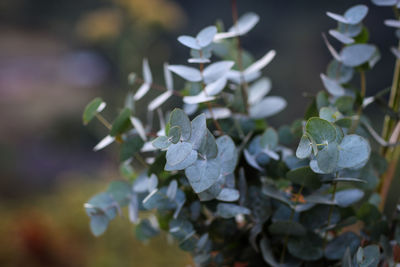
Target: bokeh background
{"x": 55, "y": 56}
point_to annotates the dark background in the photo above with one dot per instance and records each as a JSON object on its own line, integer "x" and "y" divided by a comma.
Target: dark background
{"x": 55, "y": 56}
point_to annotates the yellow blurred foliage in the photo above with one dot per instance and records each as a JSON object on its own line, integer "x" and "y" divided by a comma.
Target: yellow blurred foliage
{"x": 163, "y": 12}
{"x": 100, "y": 24}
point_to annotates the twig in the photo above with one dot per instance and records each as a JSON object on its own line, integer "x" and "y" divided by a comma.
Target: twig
{"x": 104, "y": 121}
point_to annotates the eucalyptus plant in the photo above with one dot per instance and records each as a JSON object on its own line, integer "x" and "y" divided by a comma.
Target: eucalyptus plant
{"x": 232, "y": 189}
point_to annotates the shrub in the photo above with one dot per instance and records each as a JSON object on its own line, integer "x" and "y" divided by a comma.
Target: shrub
{"x": 232, "y": 189}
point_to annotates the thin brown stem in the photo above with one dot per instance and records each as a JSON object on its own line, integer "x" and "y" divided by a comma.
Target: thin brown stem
{"x": 104, "y": 121}
{"x": 242, "y": 84}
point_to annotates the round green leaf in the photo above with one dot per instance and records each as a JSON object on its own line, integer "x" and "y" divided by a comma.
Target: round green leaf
{"x": 320, "y": 130}
{"x": 179, "y": 118}
{"x": 354, "y": 151}
{"x": 290, "y": 228}
{"x": 327, "y": 158}
{"x": 304, "y": 149}
{"x": 307, "y": 248}
{"x": 357, "y": 54}
{"x": 178, "y": 152}
{"x": 95, "y": 106}
{"x": 304, "y": 176}
{"x": 174, "y": 134}
{"x": 203, "y": 174}
{"x": 121, "y": 123}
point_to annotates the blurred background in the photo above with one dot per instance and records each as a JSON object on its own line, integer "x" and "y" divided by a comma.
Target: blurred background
{"x": 55, "y": 56}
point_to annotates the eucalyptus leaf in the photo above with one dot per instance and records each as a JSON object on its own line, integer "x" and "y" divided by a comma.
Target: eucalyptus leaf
{"x": 227, "y": 211}
{"x": 291, "y": 228}
{"x": 184, "y": 164}
{"x": 332, "y": 86}
{"x": 307, "y": 248}
{"x": 245, "y": 23}
{"x": 227, "y": 154}
{"x": 321, "y": 130}
{"x": 258, "y": 90}
{"x": 267, "y": 107}
{"x": 177, "y": 153}
{"x": 158, "y": 101}
{"x": 121, "y": 123}
{"x": 95, "y": 106}
{"x": 385, "y": 2}
{"x": 336, "y": 248}
{"x": 216, "y": 70}
{"x": 161, "y": 142}
{"x": 328, "y": 157}
{"x": 354, "y": 151}
{"x": 261, "y": 63}
{"x": 104, "y": 142}
{"x": 201, "y": 97}
{"x": 228, "y": 195}
{"x": 347, "y": 197}
{"x": 341, "y": 37}
{"x": 304, "y": 148}
{"x": 199, "y": 131}
{"x": 174, "y": 134}
{"x": 355, "y": 55}
{"x": 179, "y": 118}
{"x": 304, "y": 176}
{"x": 187, "y": 73}
{"x": 206, "y": 36}
{"x": 203, "y": 174}
{"x": 98, "y": 224}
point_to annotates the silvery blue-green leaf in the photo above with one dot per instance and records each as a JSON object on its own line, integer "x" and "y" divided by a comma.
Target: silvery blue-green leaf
{"x": 143, "y": 89}
{"x": 158, "y": 199}
{"x": 347, "y": 197}
{"x": 137, "y": 124}
{"x": 184, "y": 164}
{"x": 179, "y": 118}
{"x": 190, "y": 109}
{"x": 274, "y": 193}
{"x": 392, "y": 23}
{"x": 120, "y": 191}
{"x": 147, "y": 77}
{"x": 269, "y": 139}
{"x": 206, "y": 36}
{"x": 354, "y": 151}
{"x": 216, "y": 70}
{"x": 336, "y": 248}
{"x": 181, "y": 229}
{"x": 251, "y": 160}
{"x": 152, "y": 182}
{"x": 202, "y": 97}
{"x": 202, "y": 242}
{"x": 261, "y": 63}
{"x": 328, "y": 157}
{"x": 385, "y": 2}
{"x": 204, "y": 53}
{"x": 148, "y": 147}
{"x": 329, "y": 114}
{"x": 189, "y": 41}
{"x": 169, "y": 81}
{"x": 227, "y": 154}
{"x": 339, "y": 72}
{"x": 133, "y": 208}
{"x": 315, "y": 168}
{"x": 332, "y": 86}
{"x": 347, "y": 261}
{"x": 318, "y": 198}
{"x": 356, "y": 14}
{"x": 141, "y": 184}
{"x": 304, "y": 149}
{"x": 227, "y": 211}
{"x": 102, "y": 204}
{"x": 214, "y": 190}
{"x": 267, "y": 253}
{"x": 199, "y": 131}
{"x": 331, "y": 49}
{"x": 199, "y": 60}
{"x": 267, "y": 107}
{"x": 177, "y": 153}
{"x": 158, "y": 101}
{"x": 350, "y": 30}
{"x": 258, "y": 90}
{"x": 218, "y": 113}
{"x": 357, "y": 54}
{"x": 353, "y": 15}
{"x": 245, "y": 23}
{"x": 368, "y": 256}
{"x": 341, "y": 37}
{"x": 145, "y": 230}
{"x": 307, "y": 248}
{"x": 174, "y": 134}
{"x": 240, "y": 78}
{"x": 188, "y": 73}
{"x": 228, "y": 195}
{"x": 320, "y": 130}
{"x": 203, "y": 174}
{"x": 98, "y": 224}
{"x": 104, "y": 142}
{"x": 172, "y": 189}
{"x": 291, "y": 228}
{"x": 215, "y": 87}
{"x": 395, "y": 52}
{"x": 208, "y": 147}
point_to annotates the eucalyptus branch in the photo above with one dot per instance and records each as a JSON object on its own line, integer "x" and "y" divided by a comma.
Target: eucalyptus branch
{"x": 104, "y": 121}
{"x": 334, "y": 184}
